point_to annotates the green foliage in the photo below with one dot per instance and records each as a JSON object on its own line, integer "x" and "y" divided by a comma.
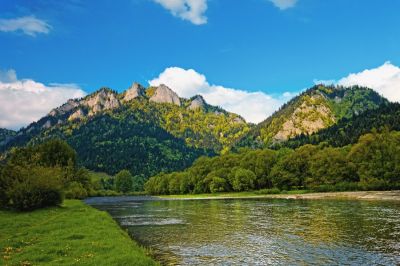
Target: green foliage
{"x": 75, "y": 190}
{"x": 38, "y": 176}
{"x": 372, "y": 163}
{"x": 377, "y": 158}
{"x": 348, "y": 130}
{"x": 31, "y": 188}
{"x": 124, "y": 181}
{"x": 333, "y": 103}
{"x": 243, "y": 180}
{"x": 142, "y": 136}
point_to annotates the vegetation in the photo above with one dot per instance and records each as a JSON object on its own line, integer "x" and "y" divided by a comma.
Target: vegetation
{"x": 74, "y": 234}
{"x": 372, "y": 163}
{"x": 141, "y": 136}
{"x": 6, "y": 134}
{"x": 39, "y": 176}
{"x": 348, "y": 130}
{"x": 318, "y": 107}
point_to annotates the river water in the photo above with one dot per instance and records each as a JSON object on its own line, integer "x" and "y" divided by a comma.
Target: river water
{"x": 261, "y": 231}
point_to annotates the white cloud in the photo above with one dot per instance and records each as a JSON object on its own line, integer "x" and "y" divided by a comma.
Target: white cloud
{"x": 384, "y": 79}
{"x": 284, "y": 4}
{"x": 191, "y": 10}
{"x": 29, "y": 25}
{"x": 253, "y": 106}
{"x": 24, "y": 101}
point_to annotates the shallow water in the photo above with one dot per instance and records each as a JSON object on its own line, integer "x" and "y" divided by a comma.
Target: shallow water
{"x": 263, "y": 231}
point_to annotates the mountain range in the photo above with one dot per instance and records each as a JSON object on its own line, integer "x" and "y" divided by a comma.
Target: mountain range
{"x": 144, "y": 130}
{"x": 152, "y": 130}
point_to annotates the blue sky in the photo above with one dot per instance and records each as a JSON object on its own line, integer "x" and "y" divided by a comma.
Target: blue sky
{"x": 256, "y": 46}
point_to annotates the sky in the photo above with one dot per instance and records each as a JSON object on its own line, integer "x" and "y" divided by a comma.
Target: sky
{"x": 247, "y": 56}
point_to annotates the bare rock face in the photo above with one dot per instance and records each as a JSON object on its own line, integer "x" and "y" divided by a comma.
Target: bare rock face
{"x": 163, "y": 94}
{"x": 102, "y": 100}
{"x": 78, "y": 114}
{"x": 65, "y": 108}
{"x": 136, "y": 90}
{"x": 308, "y": 118}
{"x": 197, "y": 102}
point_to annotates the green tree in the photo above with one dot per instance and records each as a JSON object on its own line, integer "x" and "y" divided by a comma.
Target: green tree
{"x": 123, "y": 181}
{"x": 330, "y": 166}
{"x": 243, "y": 179}
{"x": 377, "y": 158}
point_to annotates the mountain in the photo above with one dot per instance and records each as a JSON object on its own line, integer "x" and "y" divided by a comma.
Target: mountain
{"x": 6, "y": 135}
{"x": 348, "y": 130}
{"x": 143, "y": 130}
{"x": 315, "y": 109}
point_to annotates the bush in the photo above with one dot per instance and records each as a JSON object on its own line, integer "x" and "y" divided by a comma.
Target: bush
{"x": 75, "y": 190}
{"x": 34, "y": 188}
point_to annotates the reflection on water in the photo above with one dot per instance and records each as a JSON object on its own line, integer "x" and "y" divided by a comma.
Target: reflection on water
{"x": 264, "y": 231}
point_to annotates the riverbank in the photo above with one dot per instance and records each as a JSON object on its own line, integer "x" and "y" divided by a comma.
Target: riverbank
{"x": 357, "y": 195}
{"x": 74, "y": 234}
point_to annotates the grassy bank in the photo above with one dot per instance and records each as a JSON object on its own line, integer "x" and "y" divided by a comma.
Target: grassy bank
{"x": 295, "y": 194}
{"x": 74, "y": 234}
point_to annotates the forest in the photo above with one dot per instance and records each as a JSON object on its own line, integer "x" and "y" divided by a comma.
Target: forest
{"x": 372, "y": 163}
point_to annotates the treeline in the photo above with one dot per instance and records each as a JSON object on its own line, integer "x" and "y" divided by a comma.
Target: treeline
{"x": 372, "y": 163}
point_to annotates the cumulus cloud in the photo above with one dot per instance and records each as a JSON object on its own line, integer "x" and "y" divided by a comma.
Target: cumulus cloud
{"x": 385, "y": 79}
{"x": 29, "y": 25}
{"x": 24, "y": 101}
{"x": 284, "y": 4}
{"x": 191, "y": 10}
{"x": 253, "y": 106}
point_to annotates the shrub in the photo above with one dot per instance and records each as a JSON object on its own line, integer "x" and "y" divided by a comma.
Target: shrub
{"x": 34, "y": 188}
{"x": 75, "y": 190}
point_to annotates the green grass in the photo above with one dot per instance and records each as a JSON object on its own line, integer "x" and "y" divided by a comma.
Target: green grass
{"x": 74, "y": 234}
{"x": 230, "y": 194}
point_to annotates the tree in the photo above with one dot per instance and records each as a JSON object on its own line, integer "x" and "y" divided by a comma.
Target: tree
{"x": 293, "y": 168}
{"x": 243, "y": 179}
{"x": 137, "y": 183}
{"x": 123, "y": 181}
{"x": 377, "y": 158}
{"x": 330, "y": 166}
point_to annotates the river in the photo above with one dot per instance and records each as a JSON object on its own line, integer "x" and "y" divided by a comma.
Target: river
{"x": 261, "y": 231}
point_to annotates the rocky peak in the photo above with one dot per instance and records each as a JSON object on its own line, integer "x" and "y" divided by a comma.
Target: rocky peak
{"x": 197, "y": 102}
{"x": 103, "y": 99}
{"x": 136, "y": 90}
{"x": 163, "y": 94}
{"x": 65, "y": 108}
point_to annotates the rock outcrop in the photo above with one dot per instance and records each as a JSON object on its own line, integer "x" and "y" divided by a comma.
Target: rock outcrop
{"x": 104, "y": 99}
{"x": 197, "y": 102}
{"x": 65, "y": 108}
{"x": 78, "y": 114}
{"x": 308, "y": 118}
{"x": 163, "y": 94}
{"x": 136, "y": 90}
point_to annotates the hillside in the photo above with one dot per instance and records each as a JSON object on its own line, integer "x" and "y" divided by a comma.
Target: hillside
{"x": 6, "y": 135}
{"x": 144, "y": 130}
{"x": 348, "y": 130}
{"x": 315, "y": 109}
